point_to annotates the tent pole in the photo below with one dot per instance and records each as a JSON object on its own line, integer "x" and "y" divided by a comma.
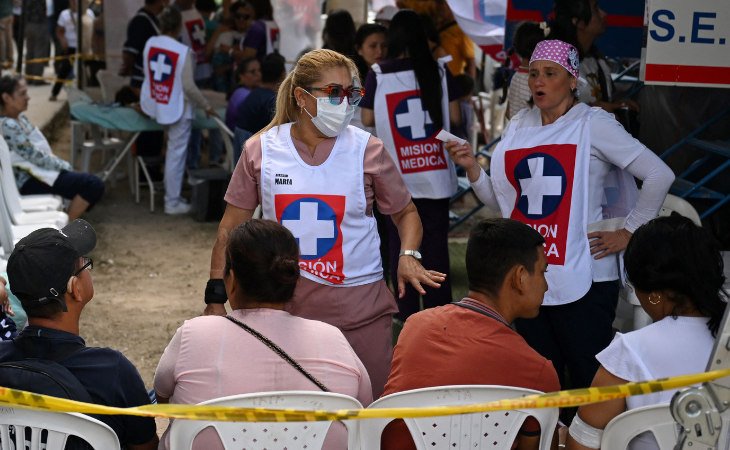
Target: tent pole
{"x": 80, "y": 13}
{"x": 21, "y": 36}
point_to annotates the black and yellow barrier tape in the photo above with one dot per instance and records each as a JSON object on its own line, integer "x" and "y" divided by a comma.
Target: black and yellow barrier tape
{"x": 563, "y": 399}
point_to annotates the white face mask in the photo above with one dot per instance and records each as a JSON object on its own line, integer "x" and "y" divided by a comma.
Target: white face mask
{"x": 331, "y": 119}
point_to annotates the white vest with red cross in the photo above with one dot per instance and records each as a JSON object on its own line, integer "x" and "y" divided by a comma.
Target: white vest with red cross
{"x": 323, "y": 206}
{"x": 194, "y": 36}
{"x": 273, "y": 37}
{"x": 162, "y": 95}
{"x": 540, "y": 177}
{"x": 406, "y": 129}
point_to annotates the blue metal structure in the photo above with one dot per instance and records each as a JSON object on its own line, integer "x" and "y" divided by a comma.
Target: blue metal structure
{"x": 687, "y": 189}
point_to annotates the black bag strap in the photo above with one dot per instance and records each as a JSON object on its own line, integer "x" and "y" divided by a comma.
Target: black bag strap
{"x": 279, "y": 351}
{"x": 29, "y": 346}
{"x": 447, "y": 26}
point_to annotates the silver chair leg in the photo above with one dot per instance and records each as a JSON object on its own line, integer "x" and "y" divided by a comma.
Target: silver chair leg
{"x": 137, "y": 163}
{"x": 149, "y": 183}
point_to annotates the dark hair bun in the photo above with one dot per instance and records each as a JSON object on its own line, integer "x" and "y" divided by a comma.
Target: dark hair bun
{"x": 284, "y": 270}
{"x": 264, "y": 257}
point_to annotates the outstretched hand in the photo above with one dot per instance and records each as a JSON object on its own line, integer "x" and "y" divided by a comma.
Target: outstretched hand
{"x": 608, "y": 242}
{"x": 411, "y": 271}
{"x": 463, "y": 155}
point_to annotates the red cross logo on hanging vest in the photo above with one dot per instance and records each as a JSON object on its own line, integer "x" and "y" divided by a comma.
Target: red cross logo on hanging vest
{"x": 315, "y": 221}
{"x": 274, "y": 38}
{"x": 414, "y": 135}
{"x": 196, "y": 31}
{"x": 161, "y": 65}
{"x": 543, "y": 178}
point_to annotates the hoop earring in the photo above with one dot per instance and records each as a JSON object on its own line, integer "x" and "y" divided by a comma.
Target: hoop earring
{"x": 657, "y": 302}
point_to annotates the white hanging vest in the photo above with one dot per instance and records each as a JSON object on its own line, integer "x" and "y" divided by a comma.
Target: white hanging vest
{"x": 407, "y": 132}
{"x": 162, "y": 96}
{"x": 193, "y": 35}
{"x": 540, "y": 177}
{"x": 323, "y": 206}
{"x": 273, "y": 37}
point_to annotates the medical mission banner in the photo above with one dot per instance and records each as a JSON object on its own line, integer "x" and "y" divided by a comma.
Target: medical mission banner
{"x": 687, "y": 43}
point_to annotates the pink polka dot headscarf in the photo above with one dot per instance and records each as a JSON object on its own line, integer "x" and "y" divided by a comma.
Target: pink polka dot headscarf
{"x": 559, "y": 52}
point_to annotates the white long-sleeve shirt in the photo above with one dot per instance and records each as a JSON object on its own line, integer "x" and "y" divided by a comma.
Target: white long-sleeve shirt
{"x": 610, "y": 145}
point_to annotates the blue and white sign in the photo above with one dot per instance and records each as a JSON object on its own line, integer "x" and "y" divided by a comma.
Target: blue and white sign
{"x": 687, "y": 43}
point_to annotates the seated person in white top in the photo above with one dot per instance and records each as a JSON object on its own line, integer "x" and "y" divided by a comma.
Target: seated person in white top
{"x": 213, "y": 356}
{"x": 677, "y": 272}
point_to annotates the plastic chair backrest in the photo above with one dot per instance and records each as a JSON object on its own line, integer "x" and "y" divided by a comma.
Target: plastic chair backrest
{"x": 8, "y": 186}
{"x": 76, "y": 95}
{"x": 59, "y": 426}
{"x": 6, "y": 230}
{"x": 655, "y": 418}
{"x": 493, "y": 430}
{"x": 681, "y": 206}
{"x": 12, "y": 196}
{"x": 270, "y": 435}
{"x": 110, "y": 83}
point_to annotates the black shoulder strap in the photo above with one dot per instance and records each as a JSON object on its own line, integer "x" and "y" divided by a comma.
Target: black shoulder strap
{"x": 448, "y": 25}
{"x": 29, "y": 346}
{"x": 279, "y": 352}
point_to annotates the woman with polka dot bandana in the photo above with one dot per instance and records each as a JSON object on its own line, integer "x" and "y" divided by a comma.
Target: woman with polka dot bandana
{"x": 567, "y": 170}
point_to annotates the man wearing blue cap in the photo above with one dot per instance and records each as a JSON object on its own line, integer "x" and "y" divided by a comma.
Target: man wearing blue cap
{"x": 50, "y": 274}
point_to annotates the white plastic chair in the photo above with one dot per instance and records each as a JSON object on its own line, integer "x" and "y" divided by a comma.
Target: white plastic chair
{"x": 28, "y": 203}
{"x": 655, "y": 418}
{"x": 270, "y": 435}
{"x": 101, "y": 139}
{"x": 15, "y": 210}
{"x": 493, "y": 430}
{"x": 681, "y": 206}
{"x": 59, "y": 425}
{"x": 10, "y": 234}
{"x": 110, "y": 83}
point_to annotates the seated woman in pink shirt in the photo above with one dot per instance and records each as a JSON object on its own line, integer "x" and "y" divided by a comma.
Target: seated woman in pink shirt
{"x": 213, "y": 356}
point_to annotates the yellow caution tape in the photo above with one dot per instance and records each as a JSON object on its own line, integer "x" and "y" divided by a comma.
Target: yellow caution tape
{"x": 563, "y": 399}
{"x": 74, "y": 55}
{"x": 54, "y": 80}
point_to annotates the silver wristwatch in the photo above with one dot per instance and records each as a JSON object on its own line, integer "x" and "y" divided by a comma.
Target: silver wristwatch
{"x": 413, "y": 253}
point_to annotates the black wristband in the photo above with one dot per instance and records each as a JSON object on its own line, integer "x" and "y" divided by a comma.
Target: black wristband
{"x": 215, "y": 291}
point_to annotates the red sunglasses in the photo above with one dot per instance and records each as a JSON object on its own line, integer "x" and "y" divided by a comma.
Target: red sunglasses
{"x": 337, "y": 93}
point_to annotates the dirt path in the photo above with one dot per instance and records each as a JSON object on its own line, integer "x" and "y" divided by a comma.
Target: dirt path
{"x": 149, "y": 273}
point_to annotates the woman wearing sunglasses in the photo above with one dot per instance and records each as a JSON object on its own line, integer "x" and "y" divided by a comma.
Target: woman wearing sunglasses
{"x": 222, "y": 47}
{"x": 319, "y": 177}
{"x": 409, "y": 99}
